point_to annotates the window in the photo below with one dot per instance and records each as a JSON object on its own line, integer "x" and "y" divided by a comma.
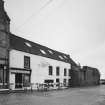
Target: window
{"x": 28, "y": 44}
{"x": 3, "y": 76}
{"x": 84, "y": 75}
{"x": 65, "y": 57}
{"x": 50, "y": 70}
{"x": 50, "y": 51}
{"x": 69, "y": 72}
{"x": 26, "y": 62}
{"x": 42, "y": 51}
{"x": 57, "y": 80}
{"x": 64, "y": 82}
{"x": 65, "y": 72}
{"x": 26, "y": 79}
{"x": 57, "y": 71}
{"x": 60, "y": 57}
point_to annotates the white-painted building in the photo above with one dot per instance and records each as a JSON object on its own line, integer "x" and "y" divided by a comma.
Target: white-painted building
{"x": 33, "y": 63}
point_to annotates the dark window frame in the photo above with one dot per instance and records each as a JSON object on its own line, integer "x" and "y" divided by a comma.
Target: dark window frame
{"x": 27, "y": 62}
{"x": 69, "y": 72}
{"x": 50, "y": 70}
{"x": 57, "y": 71}
{"x": 3, "y": 76}
{"x": 65, "y": 72}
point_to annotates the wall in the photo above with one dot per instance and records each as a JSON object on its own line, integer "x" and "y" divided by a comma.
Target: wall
{"x": 39, "y": 66}
{"x": 86, "y": 76}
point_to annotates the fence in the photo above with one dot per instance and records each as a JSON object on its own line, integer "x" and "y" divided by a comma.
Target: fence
{"x": 38, "y": 86}
{"x": 33, "y": 86}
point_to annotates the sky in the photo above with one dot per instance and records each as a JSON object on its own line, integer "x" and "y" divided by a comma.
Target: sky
{"x": 75, "y": 27}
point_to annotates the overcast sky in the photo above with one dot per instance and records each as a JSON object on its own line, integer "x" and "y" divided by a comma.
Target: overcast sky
{"x": 75, "y": 27}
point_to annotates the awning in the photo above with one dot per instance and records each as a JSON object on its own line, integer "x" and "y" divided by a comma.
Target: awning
{"x": 20, "y": 70}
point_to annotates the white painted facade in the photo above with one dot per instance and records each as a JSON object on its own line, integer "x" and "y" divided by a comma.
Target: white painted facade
{"x": 39, "y": 66}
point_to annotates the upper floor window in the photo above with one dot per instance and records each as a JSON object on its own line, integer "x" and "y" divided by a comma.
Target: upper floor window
{"x": 65, "y": 72}
{"x": 50, "y": 70}
{"x": 57, "y": 71}
{"x": 27, "y": 62}
{"x": 69, "y": 72}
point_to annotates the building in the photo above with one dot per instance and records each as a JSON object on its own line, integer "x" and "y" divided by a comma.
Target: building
{"x": 31, "y": 62}
{"x": 91, "y": 76}
{"x": 23, "y": 62}
{"x": 85, "y": 76}
{"x": 4, "y": 45}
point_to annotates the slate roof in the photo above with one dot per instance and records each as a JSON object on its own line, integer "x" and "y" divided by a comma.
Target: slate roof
{"x": 27, "y": 46}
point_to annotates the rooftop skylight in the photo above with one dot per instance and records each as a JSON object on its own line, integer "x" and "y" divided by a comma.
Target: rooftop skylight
{"x": 65, "y": 57}
{"x": 50, "y": 51}
{"x": 60, "y": 57}
{"x": 28, "y": 44}
{"x": 42, "y": 51}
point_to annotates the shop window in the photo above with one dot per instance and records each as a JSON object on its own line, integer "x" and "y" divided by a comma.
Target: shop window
{"x": 27, "y": 62}
{"x": 3, "y": 76}
{"x": 50, "y": 70}
{"x": 65, "y": 72}
{"x": 26, "y": 80}
{"x": 57, "y": 71}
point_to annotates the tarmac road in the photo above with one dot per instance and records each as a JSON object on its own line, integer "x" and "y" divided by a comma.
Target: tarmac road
{"x": 72, "y": 96}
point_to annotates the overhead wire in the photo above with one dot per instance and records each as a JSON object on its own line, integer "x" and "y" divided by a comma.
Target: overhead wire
{"x": 33, "y": 15}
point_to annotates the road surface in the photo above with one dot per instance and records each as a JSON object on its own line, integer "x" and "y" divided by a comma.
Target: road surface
{"x": 72, "y": 96}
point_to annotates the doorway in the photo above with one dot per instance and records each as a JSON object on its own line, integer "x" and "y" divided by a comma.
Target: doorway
{"x": 18, "y": 80}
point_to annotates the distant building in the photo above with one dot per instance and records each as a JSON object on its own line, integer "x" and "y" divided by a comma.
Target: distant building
{"x": 85, "y": 76}
{"x": 91, "y": 76}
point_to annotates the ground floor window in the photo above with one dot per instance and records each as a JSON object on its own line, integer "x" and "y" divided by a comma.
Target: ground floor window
{"x": 58, "y": 82}
{"x": 22, "y": 80}
{"x": 3, "y": 77}
{"x": 49, "y": 83}
{"x": 26, "y": 79}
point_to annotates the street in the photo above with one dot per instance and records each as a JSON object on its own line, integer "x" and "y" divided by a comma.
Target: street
{"x": 72, "y": 96}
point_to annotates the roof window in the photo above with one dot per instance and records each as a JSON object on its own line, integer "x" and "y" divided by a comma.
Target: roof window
{"x": 42, "y": 51}
{"x": 28, "y": 44}
{"x": 50, "y": 51}
{"x": 65, "y": 57}
{"x": 60, "y": 57}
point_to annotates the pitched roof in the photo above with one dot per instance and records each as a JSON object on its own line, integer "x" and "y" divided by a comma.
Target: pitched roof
{"x": 27, "y": 46}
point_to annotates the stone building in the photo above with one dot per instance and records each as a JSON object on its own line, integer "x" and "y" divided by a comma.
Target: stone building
{"x": 4, "y": 45}
{"x": 84, "y": 76}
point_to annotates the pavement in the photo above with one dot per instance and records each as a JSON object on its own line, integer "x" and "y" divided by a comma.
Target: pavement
{"x": 73, "y": 96}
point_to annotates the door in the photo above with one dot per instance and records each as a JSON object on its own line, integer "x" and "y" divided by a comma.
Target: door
{"x": 12, "y": 81}
{"x": 18, "y": 80}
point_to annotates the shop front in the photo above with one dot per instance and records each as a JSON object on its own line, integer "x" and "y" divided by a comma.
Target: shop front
{"x": 3, "y": 74}
{"x": 19, "y": 78}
